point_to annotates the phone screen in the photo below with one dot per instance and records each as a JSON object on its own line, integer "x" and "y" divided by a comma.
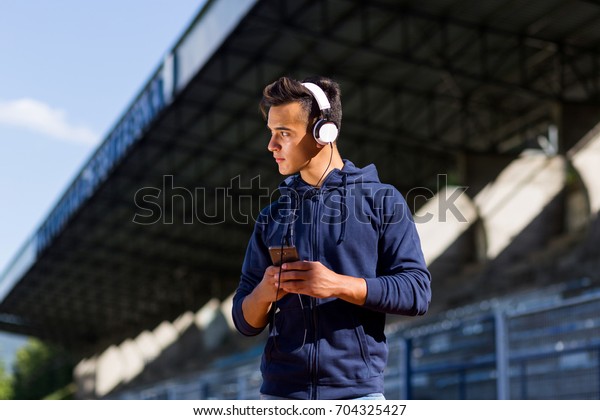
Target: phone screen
{"x": 280, "y": 255}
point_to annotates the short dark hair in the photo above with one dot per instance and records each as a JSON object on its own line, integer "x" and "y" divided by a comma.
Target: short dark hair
{"x": 286, "y": 90}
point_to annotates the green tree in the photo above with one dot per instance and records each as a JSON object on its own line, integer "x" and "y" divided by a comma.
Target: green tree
{"x": 5, "y": 383}
{"x": 40, "y": 369}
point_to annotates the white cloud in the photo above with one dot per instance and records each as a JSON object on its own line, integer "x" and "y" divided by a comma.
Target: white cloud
{"x": 39, "y": 117}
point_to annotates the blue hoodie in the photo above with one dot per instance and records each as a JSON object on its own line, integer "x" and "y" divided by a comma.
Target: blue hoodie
{"x": 354, "y": 225}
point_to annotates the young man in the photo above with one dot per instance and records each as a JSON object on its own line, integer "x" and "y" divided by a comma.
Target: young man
{"x": 359, "y": 257}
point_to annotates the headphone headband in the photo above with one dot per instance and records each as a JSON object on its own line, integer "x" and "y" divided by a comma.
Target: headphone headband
{"x": 319, "y": 95}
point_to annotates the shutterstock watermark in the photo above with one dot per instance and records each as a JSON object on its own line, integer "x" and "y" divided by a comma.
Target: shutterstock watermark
{"x": 209, "y": 206}
{"x": 240, "y": 202}
{"x": 446, "y": 201}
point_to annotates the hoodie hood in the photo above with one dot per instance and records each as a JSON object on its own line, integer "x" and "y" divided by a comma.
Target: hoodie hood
{"x": 294, "y": 189}
{"x": 349, "y": 174}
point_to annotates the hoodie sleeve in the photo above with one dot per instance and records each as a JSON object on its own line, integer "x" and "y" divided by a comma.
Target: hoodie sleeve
{"x": 255, "y": 263}
{"x": 403, "y": 283}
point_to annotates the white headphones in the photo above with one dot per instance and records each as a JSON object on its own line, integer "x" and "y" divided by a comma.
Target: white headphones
{"x": 324, "y": 131}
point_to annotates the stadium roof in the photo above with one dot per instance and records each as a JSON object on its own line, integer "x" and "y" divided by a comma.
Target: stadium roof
{"x": 157, "y": 221}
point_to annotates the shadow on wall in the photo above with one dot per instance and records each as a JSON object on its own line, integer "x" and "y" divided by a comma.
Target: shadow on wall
{"x": 545, "y": 252}
{"x": 520, "y": 227}
{"x": 188, "y": 344}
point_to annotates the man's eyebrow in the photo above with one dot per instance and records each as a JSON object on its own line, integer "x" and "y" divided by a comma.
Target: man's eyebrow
{"x": 280, "y": 128}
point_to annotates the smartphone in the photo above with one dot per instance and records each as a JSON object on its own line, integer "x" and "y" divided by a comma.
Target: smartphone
{"x": 280, "y": 255}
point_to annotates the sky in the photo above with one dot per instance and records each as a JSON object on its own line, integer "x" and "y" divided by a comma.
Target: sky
{"x": 68, "y": 70}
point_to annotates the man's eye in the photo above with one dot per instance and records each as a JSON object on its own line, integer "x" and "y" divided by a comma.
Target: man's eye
{"x": 284, "y": 134}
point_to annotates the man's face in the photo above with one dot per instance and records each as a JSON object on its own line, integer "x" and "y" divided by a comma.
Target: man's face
{"x": 292, "y": 145}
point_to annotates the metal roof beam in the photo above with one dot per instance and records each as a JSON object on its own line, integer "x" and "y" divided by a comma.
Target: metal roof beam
{"x": 516, "y": 47}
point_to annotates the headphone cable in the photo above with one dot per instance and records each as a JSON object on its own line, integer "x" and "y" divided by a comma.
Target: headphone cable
{"x": 276, "y": 333}
{"x": 327, "y": 168}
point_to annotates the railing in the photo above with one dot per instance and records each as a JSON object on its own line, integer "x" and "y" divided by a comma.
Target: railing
{"x": 555, "y": 351}
{"x": 550, "y": 350}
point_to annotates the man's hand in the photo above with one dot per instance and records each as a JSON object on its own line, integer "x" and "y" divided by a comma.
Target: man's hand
{"x": 256, "y": 305}
{"x": 312, "y": 278}
{"x": 269, "y": 285}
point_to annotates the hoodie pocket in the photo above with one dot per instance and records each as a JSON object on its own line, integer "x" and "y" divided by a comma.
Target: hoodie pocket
{"x": 343, "y": 349}
{"x": 286, "y": 353}
{"x": 288, "y": 329}
{"x": 363, "y": 345}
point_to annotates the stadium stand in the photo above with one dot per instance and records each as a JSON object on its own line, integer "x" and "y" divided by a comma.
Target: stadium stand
{"x": 538, "y": 345}
{"x": 500, "y": 97}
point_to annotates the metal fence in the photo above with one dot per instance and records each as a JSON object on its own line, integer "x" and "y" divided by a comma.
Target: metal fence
{"x": 555, "y": 352}
{"x": 529, "y": 348}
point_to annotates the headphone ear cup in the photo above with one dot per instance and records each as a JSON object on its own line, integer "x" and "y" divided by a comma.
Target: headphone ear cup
{"x": 325, "y": 132}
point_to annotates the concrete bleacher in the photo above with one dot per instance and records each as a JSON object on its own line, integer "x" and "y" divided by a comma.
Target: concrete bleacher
{"x": 549, "y": 337}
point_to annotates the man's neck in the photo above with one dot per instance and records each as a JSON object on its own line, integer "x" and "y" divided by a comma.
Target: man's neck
{"x": 319, "y": 167}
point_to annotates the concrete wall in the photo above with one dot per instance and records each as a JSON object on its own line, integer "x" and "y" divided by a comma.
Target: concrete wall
{"x": 168, "y": 350}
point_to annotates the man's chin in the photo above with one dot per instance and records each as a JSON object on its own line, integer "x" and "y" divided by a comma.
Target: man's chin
{"x": 285, "y": 171}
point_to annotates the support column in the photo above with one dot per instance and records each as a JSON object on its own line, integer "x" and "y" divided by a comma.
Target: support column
{"x": 585, "y": 157}
{"x": 519, "y": 208}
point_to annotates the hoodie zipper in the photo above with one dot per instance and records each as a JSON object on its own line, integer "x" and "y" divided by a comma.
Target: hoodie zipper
{"x": 313, "y": 301}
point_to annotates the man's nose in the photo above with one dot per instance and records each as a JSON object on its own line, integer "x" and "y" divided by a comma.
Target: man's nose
{"x": 273, "y": 144}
